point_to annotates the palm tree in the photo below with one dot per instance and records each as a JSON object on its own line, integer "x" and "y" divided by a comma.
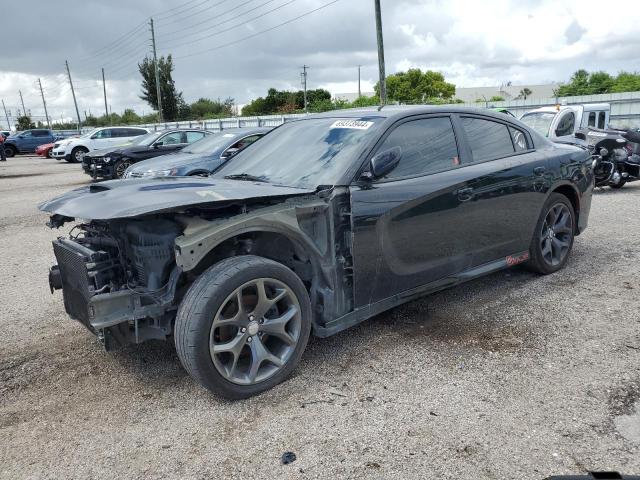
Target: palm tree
{"x": 524, "y": 93}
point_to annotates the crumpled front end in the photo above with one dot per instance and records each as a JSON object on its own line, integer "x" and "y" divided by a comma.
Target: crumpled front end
{"x": 119, "y": 280}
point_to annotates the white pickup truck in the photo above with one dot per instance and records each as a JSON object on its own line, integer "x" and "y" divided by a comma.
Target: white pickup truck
{"x": 562, "y": 120}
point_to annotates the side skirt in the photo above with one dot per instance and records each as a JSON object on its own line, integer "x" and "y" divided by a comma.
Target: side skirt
{"x": 363, "y": 313}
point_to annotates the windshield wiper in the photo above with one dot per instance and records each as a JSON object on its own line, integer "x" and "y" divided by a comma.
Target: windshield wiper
{"x": 245, "y": 176}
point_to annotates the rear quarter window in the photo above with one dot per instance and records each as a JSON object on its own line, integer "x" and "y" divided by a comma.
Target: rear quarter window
{"x": 487, "y": 139}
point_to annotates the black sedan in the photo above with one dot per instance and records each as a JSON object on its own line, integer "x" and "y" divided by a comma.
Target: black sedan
{"x": 323, "y": 223}
{"x": 201, "y": 158}
{"x": 110, "y": 163}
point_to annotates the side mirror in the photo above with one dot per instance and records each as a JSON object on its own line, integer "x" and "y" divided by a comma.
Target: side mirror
{"x": 230, "y": 152}
{"x": 384, "y": 162}
{"x": 157, "y": 145}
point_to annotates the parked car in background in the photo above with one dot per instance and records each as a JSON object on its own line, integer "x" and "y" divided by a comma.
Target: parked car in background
{"x": 45, "y": 150}
{"x": 112, "y": 162}
{"x": 5, "y": 133}
{"x": 73, "y": 149}
{"x": 28, "y": 140}
{"x": 323, "y": 223}
{"x": 201, "y": 158}
{"x": 563, "y": 120}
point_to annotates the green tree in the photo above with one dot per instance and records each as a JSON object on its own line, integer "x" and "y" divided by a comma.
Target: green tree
{"x": 626, "y": 82}
{"x": 171, "y": 98}
{"x": 496, "y": 98}
{"x": 205, "y": 108}
{"x": 524, "y": 93}
{"x": 415, "y": 86}
{"x": 24, "y": 123}
{"x": 282, "y": 101}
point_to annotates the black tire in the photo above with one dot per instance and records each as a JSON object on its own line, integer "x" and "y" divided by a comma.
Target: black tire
{"x": 10, "y": 151}
{"x": 119, "y": 168}
{"x": 50, "y": 153}
{"x": 201, "y": 305}
{"x": 618, "y": 185}
{"x": 538, "y": 262}
{"x": 76, "y": 154}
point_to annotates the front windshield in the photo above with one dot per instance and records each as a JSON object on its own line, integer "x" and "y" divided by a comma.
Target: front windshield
{"x": 211, "y": 143}
{"x": 146, "y": 139}
{"x": 88, "y": 134}
{"x": 539, "y": 121}
{"x": 304, "y": 153}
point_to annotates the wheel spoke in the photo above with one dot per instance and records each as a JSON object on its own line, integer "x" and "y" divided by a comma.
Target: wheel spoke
{"x": 558, "y": 243}
{"x": 233, "y": 346}
{"x": 239, "y": 319}
{"x": 259, "y": 355}
{"x": 264, "y": 302}
{"x": 277, "y": 327}
{"x": 546, "y": 247}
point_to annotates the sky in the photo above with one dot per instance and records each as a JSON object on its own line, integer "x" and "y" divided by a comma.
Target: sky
{"x": 240, "y": 48}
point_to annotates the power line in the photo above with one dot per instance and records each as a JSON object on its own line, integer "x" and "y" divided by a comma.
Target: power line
{"x": 233, "y": 27}
{"x": 218, "y": 47}
{"x": 207, "y": 7}
{"x": 181, "y": 31}
{"x": 167, "y": 13}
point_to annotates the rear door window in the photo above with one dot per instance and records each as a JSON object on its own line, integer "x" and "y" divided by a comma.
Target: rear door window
{"x": 601, "y": 119}
{"x": 487, "y": 139}
{"x": 194, "y": 136}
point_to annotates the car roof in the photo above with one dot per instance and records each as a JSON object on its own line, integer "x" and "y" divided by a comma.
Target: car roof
{"x": 391, "y": 111}
{"x": 246, "y": 130}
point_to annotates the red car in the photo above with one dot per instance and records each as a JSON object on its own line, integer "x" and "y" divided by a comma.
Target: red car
{"x": 45, "y": 150}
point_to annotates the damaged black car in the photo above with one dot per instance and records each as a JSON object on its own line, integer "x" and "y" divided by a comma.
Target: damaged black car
{"x": 325, "y": 222}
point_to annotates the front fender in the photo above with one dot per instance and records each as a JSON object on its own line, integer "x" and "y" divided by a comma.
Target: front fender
{"x": 201, "y": 237}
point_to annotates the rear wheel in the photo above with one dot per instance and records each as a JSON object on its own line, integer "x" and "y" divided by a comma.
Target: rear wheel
{"x": 77, "y": 154}
{"x": 553, "y": 237}
{"x": 10, "y": 151}
{"x": 243, "y": 325}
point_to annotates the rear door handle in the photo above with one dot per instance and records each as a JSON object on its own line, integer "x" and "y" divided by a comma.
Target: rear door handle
{"x": 465, "y": 194}
{"x": 539, "y": 171}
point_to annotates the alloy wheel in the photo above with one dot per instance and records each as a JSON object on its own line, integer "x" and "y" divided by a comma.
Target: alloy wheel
{"x": 556, "y": 234}
{"x": 79, "y": 155}
{"x": 121, "y": 167}
{"x": 255, "y": 331}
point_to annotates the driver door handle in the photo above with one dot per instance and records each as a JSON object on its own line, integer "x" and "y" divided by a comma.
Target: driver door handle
{"x": 465, "y": 194}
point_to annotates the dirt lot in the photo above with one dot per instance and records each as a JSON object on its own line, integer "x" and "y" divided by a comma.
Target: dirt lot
{"x": 511, "y": 376}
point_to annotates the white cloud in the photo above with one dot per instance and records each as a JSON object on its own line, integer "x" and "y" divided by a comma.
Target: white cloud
{"x": 473, "y": 43}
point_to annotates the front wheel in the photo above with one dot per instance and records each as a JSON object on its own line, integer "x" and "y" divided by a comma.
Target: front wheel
{"x": 243, "y": 326}
{"x": 77, "y": 154}
{"x": 618, "y": 185}
{"x": 120, "y": 167}
{"x": 49, "y": 153}
{"x": 553, "y": 237}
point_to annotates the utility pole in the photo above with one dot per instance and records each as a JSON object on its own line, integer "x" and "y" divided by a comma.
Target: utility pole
{"x": 6, "y": 115}
{"x": 46, "y": 114}
{"x": 383, "y": 81}
{"x": 104, "y": 89}
{"x": 359, "y": 91}
{"x": 73, "y": 94}
{"x": 304, "y": 86}
{"x": 22, "y": 101}
{"x": 155, "y": 64}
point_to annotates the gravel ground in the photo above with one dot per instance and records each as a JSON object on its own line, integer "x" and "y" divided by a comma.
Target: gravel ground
{"x": 510, "y": 376}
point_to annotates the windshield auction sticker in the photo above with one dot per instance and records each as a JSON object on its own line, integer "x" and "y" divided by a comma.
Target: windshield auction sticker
{"x": 355, "y": 124}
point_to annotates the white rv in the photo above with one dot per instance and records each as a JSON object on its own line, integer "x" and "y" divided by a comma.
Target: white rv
{"x": 562, "y": 120}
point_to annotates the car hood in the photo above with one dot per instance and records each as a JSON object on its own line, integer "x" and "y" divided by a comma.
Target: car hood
{"x": 105, "y": 151}
{"x": 168, "y": 161}
{"x": 132, "y": 198}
